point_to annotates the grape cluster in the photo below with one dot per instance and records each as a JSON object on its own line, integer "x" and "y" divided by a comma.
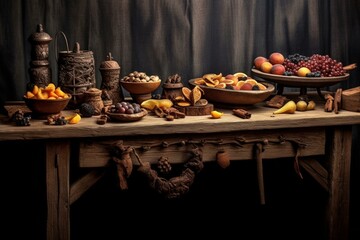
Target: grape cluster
{"x": 125, "y": 107}
{"x": 164, "y": 165}
{"x": 320, "y": 65}
{"x": 60, "y": 121}
{"x": 20, "y": 119}
{"x": 296, "y": 58}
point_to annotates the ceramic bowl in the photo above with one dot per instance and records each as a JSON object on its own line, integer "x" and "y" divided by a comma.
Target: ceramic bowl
{"x": 235, "y": 97}
{"x": 41, "y": 108}
{"x": 140, "y": 91}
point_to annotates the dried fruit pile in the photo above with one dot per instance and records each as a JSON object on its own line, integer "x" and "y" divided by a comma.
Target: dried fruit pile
{"x": 191, "y": 97}
{"x": 236, "y": 81}
{"x": 48, "y": 92}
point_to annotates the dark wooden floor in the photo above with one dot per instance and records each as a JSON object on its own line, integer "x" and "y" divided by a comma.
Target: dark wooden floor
{"x": 225, "y": 201}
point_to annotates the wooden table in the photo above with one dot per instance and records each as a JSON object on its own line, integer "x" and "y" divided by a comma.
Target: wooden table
{"x": 304, "y": 136}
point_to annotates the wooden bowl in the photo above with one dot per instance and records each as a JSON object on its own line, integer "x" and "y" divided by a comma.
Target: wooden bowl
{"x": 140, "y": 91}
{"x": 41, "y": 108}
{"x": 123, "y": 117}
{"x": 140, "y": 87}
{"x": 235, "y": 97}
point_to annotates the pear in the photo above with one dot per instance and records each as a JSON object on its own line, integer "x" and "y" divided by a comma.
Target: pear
{"x": 289, "y": 107}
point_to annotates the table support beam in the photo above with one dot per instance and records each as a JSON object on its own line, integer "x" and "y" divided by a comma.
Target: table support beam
{"x": 339, "y": 184}
{"x": 58, "y": 190}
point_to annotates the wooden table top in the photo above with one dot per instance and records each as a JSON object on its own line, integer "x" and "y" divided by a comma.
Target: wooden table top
{"x": 261, "y": 118}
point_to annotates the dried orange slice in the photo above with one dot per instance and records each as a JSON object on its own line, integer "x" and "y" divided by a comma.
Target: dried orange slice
{"x": 186, "y": 92}
{"x": 218, "y": 77}
{"x": 183, "y": 104}
{"x": 261, "y": 86}
{"x": 210, "y": 84}
{"x": 221, "y": 85}
{"x": 251, "y": 81}
{"x": 240, "y": 83}
{"x": 202, "y": 102}
{"x": 179, "y": 98}
{"x": 199, "y": 81}
{"x": 240, "y": 75}
{"x": 195, "y": 95}
{"x": 209, "y": 76}
{"x": 228, "y": 81}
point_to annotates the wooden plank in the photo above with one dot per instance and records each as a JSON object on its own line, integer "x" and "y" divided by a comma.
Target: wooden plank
{"x": 339, "y": 184}
{"x": 57, "y": 190}
{"x": 261, "y": 119}
{"x": 96, "y": 153}
{"x": 79, "y": 187}
{"x": 316, "y": 170}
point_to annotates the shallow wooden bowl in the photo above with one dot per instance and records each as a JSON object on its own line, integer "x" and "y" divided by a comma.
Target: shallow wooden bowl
{"x": 123, "y": 117}
{"x": 235, "y": 97}
{"x": 140, "y": 88}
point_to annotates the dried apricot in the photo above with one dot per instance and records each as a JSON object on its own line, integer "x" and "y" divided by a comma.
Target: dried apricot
{"x": 59, "y": 92}
{"x": 29, "y": 94}
{"x": 50, "y": 87}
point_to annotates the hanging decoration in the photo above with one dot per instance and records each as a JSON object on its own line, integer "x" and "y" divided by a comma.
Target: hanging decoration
{"x": 177, "y": 186}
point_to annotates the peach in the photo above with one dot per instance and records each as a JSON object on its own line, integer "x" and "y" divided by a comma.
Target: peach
{"x": 246, "y": 86}
{"x": 266, "y": 67}
{"x": 258, "y": 61}
{"x": 276, "y": 58}
{"x": 277, "y": 69}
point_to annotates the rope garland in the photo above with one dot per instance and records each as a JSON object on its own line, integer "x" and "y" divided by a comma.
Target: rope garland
{"x": 179, "y": 185}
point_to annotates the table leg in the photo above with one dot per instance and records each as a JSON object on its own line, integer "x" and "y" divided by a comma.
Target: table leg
{"x": 339, "y": 184}
{"x": 57, "y": 190}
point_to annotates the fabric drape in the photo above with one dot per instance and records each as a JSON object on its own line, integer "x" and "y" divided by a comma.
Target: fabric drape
{"x": 188, "y": 37}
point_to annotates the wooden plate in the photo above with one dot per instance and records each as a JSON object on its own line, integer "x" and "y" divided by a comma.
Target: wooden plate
{"x": 123, "y": 117}
{"x": 294, "y": 81}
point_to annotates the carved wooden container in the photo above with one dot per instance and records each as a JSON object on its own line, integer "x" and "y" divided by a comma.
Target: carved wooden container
{"x": 76, "y": 72}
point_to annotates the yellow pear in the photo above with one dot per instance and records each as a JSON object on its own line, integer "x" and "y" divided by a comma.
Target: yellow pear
{"x": 289, "y": 107}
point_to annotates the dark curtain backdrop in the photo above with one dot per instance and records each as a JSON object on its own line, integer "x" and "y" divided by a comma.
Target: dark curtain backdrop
{"x": 165, "y": 37}
{"x": 188, "y": 37}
